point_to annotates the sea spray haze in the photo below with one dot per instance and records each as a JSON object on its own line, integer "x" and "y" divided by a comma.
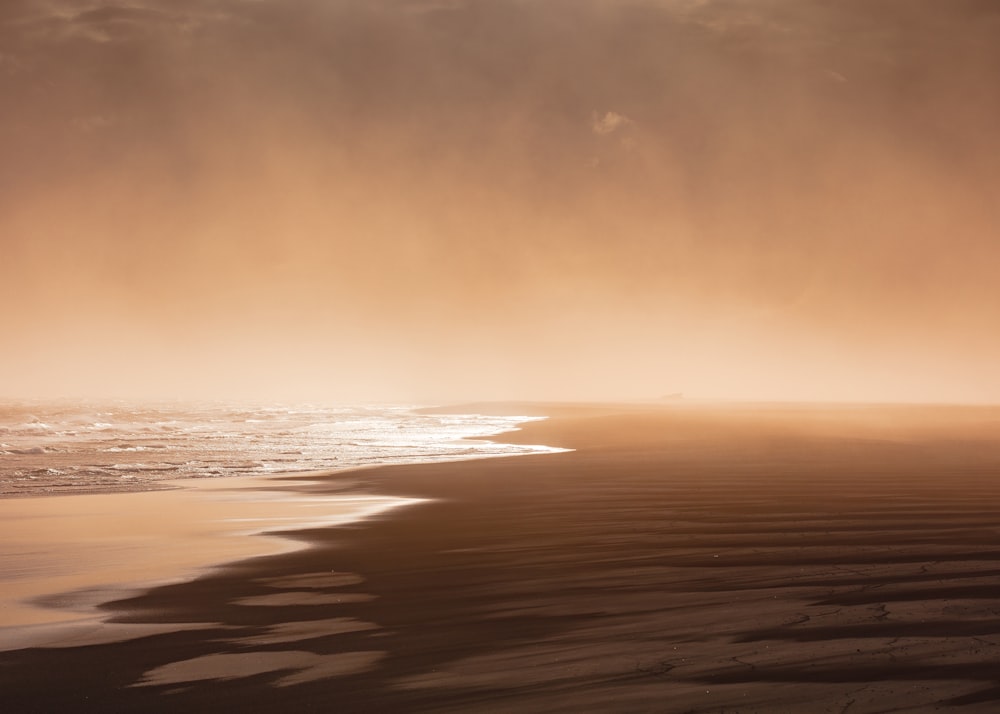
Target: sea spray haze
{"x": 429, "y": 200}
{"x": 48, "y": 448}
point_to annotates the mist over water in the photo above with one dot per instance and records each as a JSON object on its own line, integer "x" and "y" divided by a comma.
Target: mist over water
{"x": 420, "y": 200}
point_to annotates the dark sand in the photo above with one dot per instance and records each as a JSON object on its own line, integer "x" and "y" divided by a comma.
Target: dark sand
{"x": 682, "y": 559}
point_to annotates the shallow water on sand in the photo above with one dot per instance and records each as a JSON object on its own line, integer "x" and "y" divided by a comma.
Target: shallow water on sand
{"x": 62, "y": 556}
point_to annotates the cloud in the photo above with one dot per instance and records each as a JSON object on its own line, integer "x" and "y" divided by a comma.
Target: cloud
{"x": 93, "y": 123}
{"x": 419, "y": 7}
{"x": 103, "y": 22}
{"x": 609, "y": 123}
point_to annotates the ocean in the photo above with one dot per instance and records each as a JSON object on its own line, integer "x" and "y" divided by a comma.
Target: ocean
{"x": 85, "y": 447}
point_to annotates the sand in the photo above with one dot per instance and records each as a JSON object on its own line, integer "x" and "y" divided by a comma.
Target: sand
{"x": 62, "y": 556}
{"x": 763, "y": 558}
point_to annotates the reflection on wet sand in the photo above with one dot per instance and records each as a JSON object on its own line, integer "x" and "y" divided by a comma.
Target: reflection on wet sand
{"x": 61, "y": 556}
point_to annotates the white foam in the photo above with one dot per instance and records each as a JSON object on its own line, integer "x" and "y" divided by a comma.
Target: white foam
{"x": 99, "y": 445}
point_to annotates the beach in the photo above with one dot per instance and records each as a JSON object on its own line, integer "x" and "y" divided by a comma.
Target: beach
{"x": 680, "y": 558}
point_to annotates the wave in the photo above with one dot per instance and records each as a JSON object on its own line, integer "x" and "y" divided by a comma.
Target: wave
{"x": 96, "y": 448}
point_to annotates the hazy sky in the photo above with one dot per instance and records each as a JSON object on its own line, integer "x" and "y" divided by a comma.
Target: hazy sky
{"x": 441, "y": 199}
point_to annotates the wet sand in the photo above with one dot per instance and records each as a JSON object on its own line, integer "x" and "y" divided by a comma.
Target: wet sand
{"x": 62, "y": 556}
{"x": 759, "y": 558}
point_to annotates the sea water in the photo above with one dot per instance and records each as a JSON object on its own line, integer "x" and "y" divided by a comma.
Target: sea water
{"x": 82, "y": 447}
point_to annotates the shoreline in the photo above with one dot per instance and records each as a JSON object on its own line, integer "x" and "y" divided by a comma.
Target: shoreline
{"x": 708, "y": 560}
{"x": 46, "y": 593}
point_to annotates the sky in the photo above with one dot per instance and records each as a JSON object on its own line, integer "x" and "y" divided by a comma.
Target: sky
{"x": 434, "y": 200}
